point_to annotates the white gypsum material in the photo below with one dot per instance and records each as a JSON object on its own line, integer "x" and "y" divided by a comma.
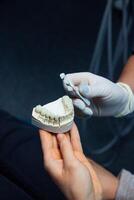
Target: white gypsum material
{"x": 75, "y": 89}
{"x": 56, "y": 116}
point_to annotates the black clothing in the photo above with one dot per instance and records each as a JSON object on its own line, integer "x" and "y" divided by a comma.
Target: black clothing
{"x": 22, "y": 175}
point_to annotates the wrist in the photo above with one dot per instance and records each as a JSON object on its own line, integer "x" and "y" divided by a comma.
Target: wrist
{"x": 109, "y": 182}
{"x": 110, "y": 193}
{"x": 129, "y": 102}
{"x": 91, "y": 197}
{"x": 128, "y": 73}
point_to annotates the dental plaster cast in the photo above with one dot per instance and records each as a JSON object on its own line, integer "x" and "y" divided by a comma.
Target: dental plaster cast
{"x": 55, "y": 117}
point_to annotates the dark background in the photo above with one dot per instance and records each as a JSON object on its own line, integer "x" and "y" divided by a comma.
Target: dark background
{"x": 38, "y": 41}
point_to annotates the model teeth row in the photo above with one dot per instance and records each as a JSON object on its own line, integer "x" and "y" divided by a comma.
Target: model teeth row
{"x": 67, "y": 102}
{"x": 45, "y": 116}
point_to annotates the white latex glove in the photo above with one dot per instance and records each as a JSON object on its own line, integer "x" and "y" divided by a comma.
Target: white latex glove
{"x": 107, "y": 98}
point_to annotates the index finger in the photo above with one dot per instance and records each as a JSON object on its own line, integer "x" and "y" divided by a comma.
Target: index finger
{"x": 46, "y": 143}
{"x": 75, "y": 139}
{"x": 77, "y": 78}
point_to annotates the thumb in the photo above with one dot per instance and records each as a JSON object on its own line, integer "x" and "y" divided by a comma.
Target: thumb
{"x": 91, "y": 91}
{"x": 66, "y": 149}
{"x": 68, "y": 89}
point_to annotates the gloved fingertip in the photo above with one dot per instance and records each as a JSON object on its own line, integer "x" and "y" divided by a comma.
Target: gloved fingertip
{"x": 84, "y": 90}
{"x": 79, "y": 104}
{"x": 69, "y": 89}
{"x": 88, "y": 111}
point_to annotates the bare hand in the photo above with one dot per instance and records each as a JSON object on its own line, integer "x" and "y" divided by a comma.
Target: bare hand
{"x": 70, "y": 169}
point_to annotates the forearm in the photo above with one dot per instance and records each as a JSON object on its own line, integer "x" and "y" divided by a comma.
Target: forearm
{"x": 127, "y": 75}
{"x": 108, "y": 181}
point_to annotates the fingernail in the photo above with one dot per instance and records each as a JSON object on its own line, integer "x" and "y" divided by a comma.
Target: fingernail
{"x": 88, "y": 111}
{"x": 60, "y": 136}
{"x": 84, "y": 89}
{"x": 69, "y": 89}
{"x": 79, "y": 104}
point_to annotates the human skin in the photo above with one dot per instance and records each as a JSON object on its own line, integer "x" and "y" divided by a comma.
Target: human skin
{"x": 108, "y": 181}
{"x": 127, "y": 75}
{"x": 71, "y": 170}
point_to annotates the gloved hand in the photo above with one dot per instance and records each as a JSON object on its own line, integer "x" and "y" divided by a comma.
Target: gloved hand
{"x": 107, "y": 98}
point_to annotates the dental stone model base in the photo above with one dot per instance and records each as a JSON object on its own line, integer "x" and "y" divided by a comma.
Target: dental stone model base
{"x": 55, "y": 117}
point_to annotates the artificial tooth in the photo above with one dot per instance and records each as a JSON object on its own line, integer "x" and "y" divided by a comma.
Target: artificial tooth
{"x": 45, "y": 120}
{"x": 48, "y": 114}
{"x": 50, "y": 121}
{"x": 38, "y": 108}
{"x": 56, "y": 116}
{"x": 43, "y": 112}
{"x": 67, "y": 102}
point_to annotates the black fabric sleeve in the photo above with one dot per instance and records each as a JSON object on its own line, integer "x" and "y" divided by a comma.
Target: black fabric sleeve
{"x": 133, "y": 49}
{"x": 21, "y": 160}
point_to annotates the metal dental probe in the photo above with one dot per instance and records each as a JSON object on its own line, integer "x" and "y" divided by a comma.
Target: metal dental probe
{"x": 69, "y": 83}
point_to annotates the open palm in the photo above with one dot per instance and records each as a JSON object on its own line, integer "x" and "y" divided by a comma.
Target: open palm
{"x": 69, "y": 168}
